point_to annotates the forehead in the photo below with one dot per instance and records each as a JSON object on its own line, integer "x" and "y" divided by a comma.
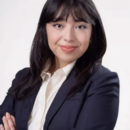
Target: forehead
{"x": 70, "y": 18}
{"x": 78, "y": 13}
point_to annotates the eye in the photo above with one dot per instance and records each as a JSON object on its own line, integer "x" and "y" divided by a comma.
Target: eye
{"x": 82, "y": 27}
{"x": 57, "y": 25}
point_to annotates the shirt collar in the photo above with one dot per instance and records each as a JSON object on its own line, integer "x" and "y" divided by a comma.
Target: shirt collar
{"x": 66, "y": 70}
{"x": 69, "y": 67}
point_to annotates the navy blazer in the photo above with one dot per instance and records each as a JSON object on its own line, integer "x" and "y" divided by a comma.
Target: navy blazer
{"x": 93, "y": 108}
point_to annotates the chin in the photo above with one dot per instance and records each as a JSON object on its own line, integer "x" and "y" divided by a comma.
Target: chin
{"x": 67, "y": 61}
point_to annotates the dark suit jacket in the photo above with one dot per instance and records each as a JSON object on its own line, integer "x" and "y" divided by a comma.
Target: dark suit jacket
{"x": 94, "y": 108}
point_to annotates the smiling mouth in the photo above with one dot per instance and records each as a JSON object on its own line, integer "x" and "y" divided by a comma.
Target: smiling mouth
{"x": 68, "y": 48}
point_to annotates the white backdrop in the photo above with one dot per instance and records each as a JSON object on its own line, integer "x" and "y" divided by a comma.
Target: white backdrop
{"x": 18, "y": 22}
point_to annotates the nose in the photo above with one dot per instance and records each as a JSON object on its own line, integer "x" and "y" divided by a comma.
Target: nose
{"x": 69, "y": 34}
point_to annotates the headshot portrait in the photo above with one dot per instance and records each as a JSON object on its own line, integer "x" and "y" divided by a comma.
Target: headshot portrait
{"x": 59, "y": 68}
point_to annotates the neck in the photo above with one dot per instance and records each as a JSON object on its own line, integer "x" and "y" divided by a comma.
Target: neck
{"x": 58, "y": 64}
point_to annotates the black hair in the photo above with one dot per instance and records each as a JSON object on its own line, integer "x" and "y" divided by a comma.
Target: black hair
{"x": 83, "y": 10}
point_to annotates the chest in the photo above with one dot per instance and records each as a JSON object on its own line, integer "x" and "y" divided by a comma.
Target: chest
{"x": 65, "y": 116}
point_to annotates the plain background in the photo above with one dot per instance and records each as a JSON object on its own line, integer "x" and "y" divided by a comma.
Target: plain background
{"x": 18, "y": 23}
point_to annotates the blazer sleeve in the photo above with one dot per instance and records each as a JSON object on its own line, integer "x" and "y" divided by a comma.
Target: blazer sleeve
{"x": 9, "y": 102}
{"x": 100, "y": 109}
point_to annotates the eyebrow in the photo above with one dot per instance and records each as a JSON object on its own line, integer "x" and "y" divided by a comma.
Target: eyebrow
{"x": 59, "y": 19}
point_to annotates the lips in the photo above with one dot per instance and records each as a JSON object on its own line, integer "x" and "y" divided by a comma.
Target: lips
{"x": 68, "y": 48}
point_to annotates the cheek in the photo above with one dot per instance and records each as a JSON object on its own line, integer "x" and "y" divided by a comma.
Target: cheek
{"x": 52, "y": 40}
{"x": 84, "y": 42}
{"x": 53, "y": 37}
{"x": 83, "y": 48}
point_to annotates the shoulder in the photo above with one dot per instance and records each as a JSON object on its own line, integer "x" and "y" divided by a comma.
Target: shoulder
{"x": 103, "y": 80}
{"x": 17, "y": 79}
{"x": 101, "y": 71}
{"x": 22, "y": 72}
{"x": 19, "y": 76}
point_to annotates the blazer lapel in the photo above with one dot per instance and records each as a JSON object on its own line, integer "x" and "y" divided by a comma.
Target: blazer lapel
{"x": 59, "y": 99}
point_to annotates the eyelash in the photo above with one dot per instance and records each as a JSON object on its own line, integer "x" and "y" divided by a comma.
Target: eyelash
{"x": 61, "y": 25}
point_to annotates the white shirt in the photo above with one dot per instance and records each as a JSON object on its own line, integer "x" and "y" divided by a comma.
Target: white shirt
{"x": 46, "y": 94}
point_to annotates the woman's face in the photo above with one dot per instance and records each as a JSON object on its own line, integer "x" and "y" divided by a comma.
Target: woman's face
{"x": 68, "y": 40}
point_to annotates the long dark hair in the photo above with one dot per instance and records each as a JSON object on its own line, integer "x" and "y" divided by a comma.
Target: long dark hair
{"x": 84, "y": 10}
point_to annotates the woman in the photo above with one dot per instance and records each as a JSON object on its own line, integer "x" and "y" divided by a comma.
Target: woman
{"x": 65, "y": 87}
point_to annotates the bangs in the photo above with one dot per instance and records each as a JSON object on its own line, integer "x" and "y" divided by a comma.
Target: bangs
{"x": 78, "y": 12}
